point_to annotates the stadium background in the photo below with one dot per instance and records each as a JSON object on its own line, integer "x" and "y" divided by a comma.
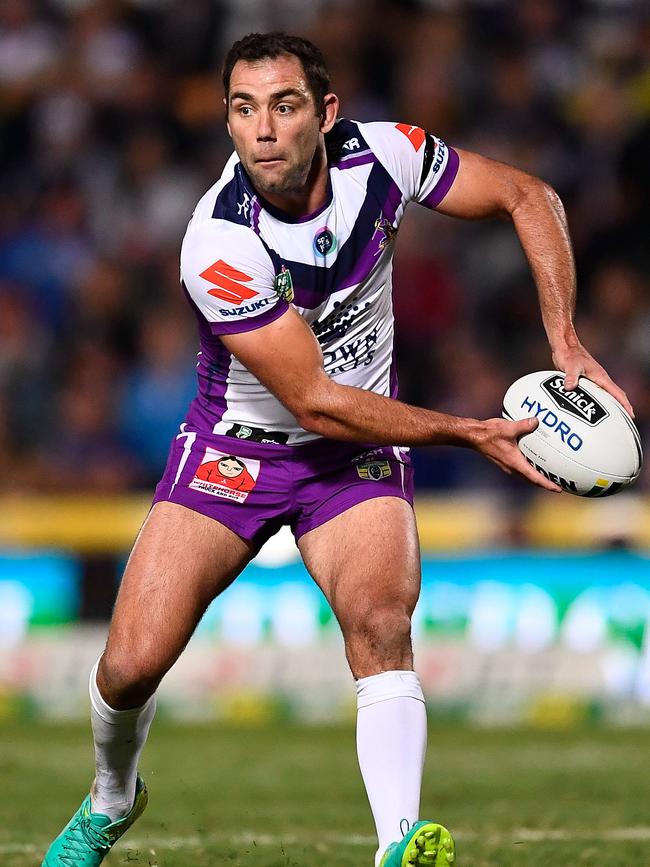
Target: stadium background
{"x": 534, "y": 609}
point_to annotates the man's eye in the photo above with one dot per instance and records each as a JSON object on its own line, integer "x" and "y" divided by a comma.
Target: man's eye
{"x": 285, "y": 109}
{"x": 246, "y": 110}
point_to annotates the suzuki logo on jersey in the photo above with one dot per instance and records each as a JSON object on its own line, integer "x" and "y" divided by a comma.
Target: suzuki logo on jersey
{"x": 439, "y": 158}
{"x": 414, "y": 134}
{"x": 577, "y": 401}
{"x": 351, "y": 144}
{"x": 246, "y": 308}
{"x": 229, "y": 282}
{"x": 324, "y": 242}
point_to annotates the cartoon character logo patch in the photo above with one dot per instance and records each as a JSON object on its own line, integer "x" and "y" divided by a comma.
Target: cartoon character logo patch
{"x": 227, "y": 476}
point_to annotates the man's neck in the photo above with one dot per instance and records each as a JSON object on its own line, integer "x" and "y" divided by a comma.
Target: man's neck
{"x": 314, "y": 194}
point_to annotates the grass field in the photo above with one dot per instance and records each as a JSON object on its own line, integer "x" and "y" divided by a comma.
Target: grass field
{"x": 290, "y": 796}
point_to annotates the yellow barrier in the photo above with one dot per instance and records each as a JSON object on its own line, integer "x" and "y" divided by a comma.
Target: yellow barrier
{"x": 88, "y": 523}
{"x": 83, "y": 523}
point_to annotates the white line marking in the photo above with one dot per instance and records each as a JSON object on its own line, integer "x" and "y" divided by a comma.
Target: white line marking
{"x": 249, "y": 838}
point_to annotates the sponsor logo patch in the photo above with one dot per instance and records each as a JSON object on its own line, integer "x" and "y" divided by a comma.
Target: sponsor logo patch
{"x": 324, "y": 242}
{"x": 246, "y": 308}
{"x": 284, "y": 285}
{"x": 351, "y": 144}
{"x": 257, "y": 434}
{"x": 228, "y": 282}
{"x": 351, "y": 355}
{"x": 414, "y": 134}
{"x": 244, "y": 205}
{"x": 387, "y": 230}
{"x": 227, "y": 476}
{"x": 578, "y": 402}
{"x": 375, "y": 470}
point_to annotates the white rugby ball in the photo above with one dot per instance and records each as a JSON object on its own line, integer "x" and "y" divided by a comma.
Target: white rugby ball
{"x": 585, "y": 442}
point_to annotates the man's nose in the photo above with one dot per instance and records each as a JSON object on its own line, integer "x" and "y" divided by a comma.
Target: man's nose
{"x": 265, "y": 128}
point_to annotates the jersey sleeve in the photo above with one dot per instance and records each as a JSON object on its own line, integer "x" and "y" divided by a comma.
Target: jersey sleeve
{"x": 421, "y": 164}
{"x": 229, "y": 277}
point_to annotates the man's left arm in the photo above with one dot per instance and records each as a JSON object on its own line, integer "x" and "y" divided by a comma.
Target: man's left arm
{"x": 487, "y": 188}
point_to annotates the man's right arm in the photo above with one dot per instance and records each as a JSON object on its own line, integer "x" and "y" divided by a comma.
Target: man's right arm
{"x": 285, "y": 356}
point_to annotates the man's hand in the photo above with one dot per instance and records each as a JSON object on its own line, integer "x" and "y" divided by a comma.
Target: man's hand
{"x": 497, "y": 439}
{"x": 486, "y": 188}
{"x": 285, "y": 356}
{"x": 575, "y": 361}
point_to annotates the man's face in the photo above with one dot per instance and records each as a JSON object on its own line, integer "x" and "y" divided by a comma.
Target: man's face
{"x": 274, "y": 123}
{"x": 229, "y": 468}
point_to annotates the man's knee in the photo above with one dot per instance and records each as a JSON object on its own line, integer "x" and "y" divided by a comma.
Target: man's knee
{"x": 382, "y": 628}
{"x": 126, "y": 680}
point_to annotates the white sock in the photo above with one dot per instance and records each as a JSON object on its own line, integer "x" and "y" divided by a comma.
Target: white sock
{"x": 391, "y": 743}
{"x": 119, "y": 737}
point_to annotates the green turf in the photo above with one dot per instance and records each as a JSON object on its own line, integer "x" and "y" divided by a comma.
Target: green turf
{"x": 289, "y": 796}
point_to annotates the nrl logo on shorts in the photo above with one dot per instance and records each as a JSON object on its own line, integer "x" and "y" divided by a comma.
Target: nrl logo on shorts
{"x": 578, "y": 402}
{"x": 284, "y": 285}
{"x": 244, "y": 432}
{"x": 375, "y": 470}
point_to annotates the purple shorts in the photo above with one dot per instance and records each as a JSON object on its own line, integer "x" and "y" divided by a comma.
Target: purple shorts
{"x": 254, "y": 488}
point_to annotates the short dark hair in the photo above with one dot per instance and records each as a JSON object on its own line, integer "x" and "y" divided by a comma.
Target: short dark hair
{"x": 235, "y": 459}
{"x": 259, "y": 46}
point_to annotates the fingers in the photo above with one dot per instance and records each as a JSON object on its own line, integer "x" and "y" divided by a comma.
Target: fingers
{"x": 521, "y": 466}
{"x": 604, "y": 381}
{"x": 524, "y": 426}
{"x": 573, "y": 370}
{"x": 571, "y": 378}
{"x": 517, "y": 463}
{"x": 510, "y": 458}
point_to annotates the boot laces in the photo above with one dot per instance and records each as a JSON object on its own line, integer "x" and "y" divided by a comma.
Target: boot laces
{"x": 81, "y": 835}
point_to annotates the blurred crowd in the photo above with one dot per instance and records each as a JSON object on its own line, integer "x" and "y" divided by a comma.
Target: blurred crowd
{"x": 112, "y": 126}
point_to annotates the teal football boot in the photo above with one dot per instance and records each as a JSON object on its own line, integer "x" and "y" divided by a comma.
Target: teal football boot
{"x": 88, "y": 837}
{"x": 425, "y": 844}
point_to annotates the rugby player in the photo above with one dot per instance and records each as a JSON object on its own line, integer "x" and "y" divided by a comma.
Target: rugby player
{"x": 287, "y": 265}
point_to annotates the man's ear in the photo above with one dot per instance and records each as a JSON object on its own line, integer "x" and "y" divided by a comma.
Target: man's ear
{"x": 330, "y": 112}
{"x": 225, "y": 105}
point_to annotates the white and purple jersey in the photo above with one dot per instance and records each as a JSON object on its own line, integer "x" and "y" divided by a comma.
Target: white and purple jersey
{"x": 243, "y": 261}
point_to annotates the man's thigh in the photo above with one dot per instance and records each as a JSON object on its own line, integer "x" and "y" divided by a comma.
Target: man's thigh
{"x": 180, "y": 561}
{"x": 366, "y": 560}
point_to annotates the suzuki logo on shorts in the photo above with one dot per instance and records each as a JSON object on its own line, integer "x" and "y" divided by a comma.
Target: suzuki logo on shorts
{"x": 578, "y": 402}
{"x": 229, "y": 282}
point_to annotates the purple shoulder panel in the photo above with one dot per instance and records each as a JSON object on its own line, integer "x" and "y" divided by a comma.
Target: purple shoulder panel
{"x": 447, "y": 178}
{"x": 250, "y": 323}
